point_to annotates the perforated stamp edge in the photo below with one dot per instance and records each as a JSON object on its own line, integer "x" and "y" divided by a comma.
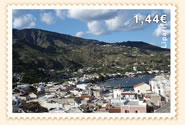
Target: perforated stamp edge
{"x": 174, "y": 58}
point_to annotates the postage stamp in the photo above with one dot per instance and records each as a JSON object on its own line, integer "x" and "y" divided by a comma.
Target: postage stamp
{"x": 113, "y": 61}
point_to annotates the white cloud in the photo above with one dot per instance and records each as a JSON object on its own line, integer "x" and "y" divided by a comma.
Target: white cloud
{"x": 106, "y": 21}
{"x": 91, "y": 15}
{"x": 122, "y": 22}
{"x": 61, "y": 14}
{"x": 47, "y": 18}
{"x": 80, "y": 34}
{"x": 101, "y": 22}
{"x": 117, "y": 22}
{"x": 24, "y": 21}
{"x": 162, "y": 29}
{"x": 97, "y": 28}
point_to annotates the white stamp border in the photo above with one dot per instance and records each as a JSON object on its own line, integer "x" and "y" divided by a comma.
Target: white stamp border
{"x": 94, "y": 115}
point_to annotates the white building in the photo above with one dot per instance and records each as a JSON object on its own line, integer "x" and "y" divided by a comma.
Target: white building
{"x": 49, "y": 106}
{"x": 116, "y": 102}
{"x": 161, "y": 85}
{"x": 72, "y": 82}
{"x": 32, "y": 96}
{"x": 129, "y": 96}
{"x": 133, "y": 106}
{"x": 141, "y": 88}
{"x": 82, "y": 86}
{"x": 117, "y": 93}
{"x": 76, "y": 93}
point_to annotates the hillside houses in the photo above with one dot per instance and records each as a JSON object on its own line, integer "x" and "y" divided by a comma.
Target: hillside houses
{"x": 94, "y": 98}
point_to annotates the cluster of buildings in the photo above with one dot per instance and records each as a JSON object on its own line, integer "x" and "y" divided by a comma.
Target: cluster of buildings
{"x": 81, "y": 96}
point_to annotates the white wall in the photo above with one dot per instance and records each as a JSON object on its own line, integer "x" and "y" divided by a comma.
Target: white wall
{"x": 142, "y": 88}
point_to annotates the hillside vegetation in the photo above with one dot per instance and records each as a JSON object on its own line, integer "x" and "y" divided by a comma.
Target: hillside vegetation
{"x": 40, "y": 55}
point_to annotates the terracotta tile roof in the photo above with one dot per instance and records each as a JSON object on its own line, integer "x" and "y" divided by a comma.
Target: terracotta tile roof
{"x": 85, "y": 96}
{"x": 115, "y": 110}
{"x": 140, "y": 84}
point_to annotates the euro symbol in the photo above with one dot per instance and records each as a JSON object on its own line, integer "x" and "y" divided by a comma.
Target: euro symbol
{"x": 163, "y": 18}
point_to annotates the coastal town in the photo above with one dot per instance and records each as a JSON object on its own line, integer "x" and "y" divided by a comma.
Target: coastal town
{"x": 84, "y": 95}
{"x": 91, "y": 61}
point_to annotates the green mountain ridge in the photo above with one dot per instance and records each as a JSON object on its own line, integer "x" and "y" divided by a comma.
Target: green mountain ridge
{"x": 35, "y": 49}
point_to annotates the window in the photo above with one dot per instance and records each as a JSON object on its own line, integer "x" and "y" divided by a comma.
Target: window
{"x": 136, "y": 111}
{"x": 126, "y": 111}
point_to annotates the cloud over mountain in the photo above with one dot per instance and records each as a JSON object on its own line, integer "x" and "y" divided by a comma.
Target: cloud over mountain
{"x": 23, "y": 19}
{"x": 101, "y": 22}
{"x": 61, "y": 13}
{"x": 47, "y": 18}
{"x": 162, "y": 29}
{"x": 91, "y": 15}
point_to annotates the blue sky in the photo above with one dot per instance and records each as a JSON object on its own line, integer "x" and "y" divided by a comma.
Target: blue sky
{"x": 104, "y": 25}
